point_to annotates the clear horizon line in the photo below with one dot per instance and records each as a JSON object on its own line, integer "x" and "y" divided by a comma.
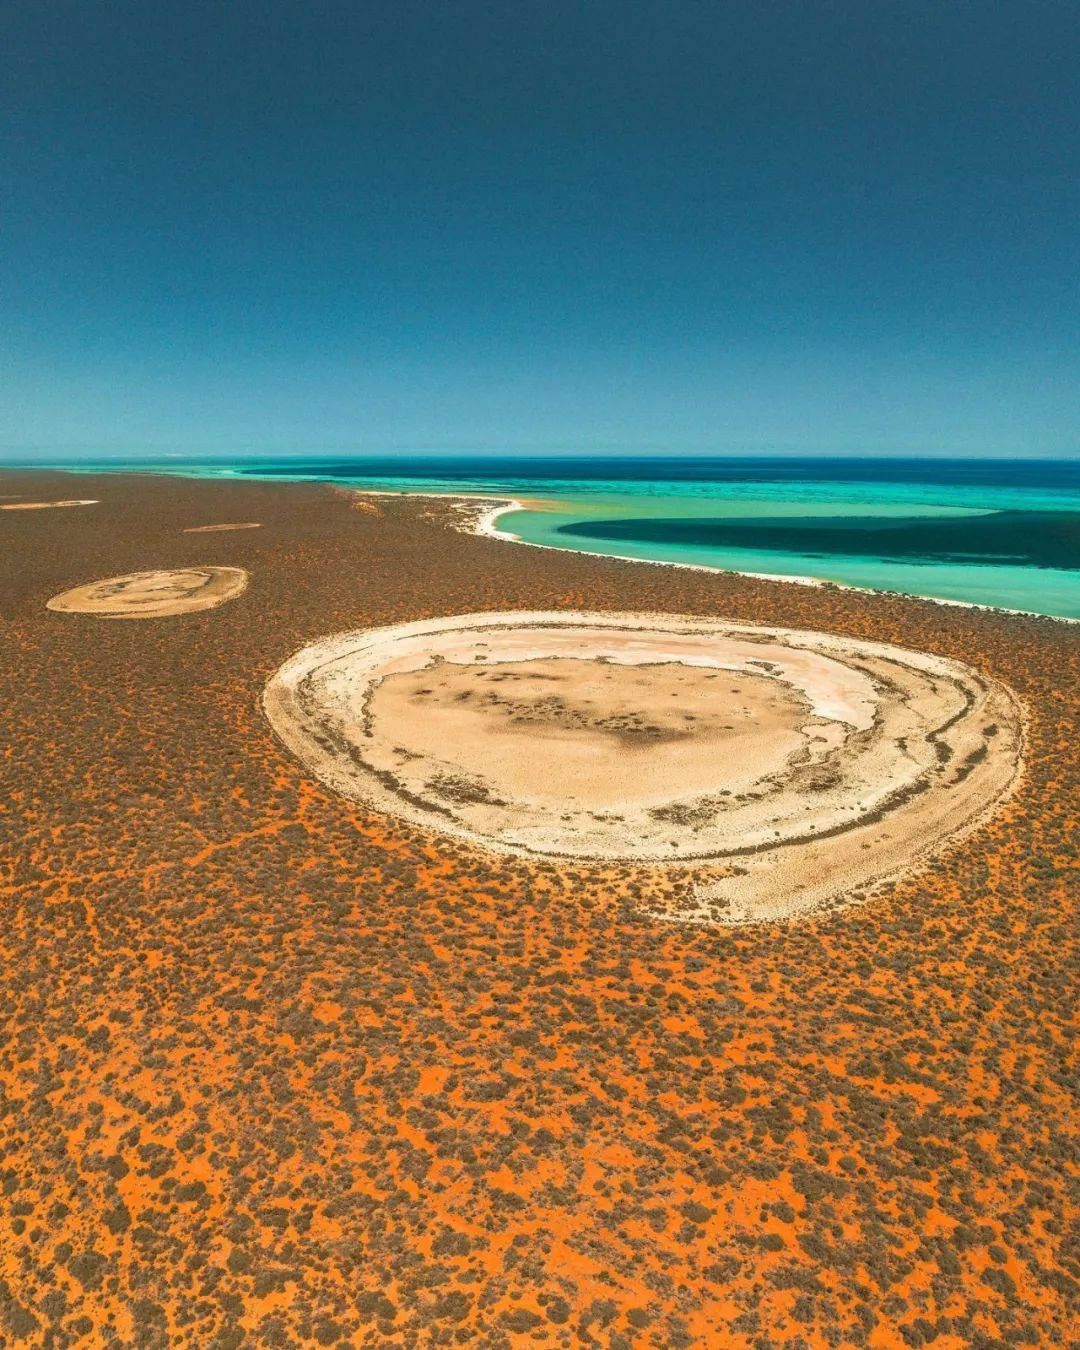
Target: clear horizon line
{"x": 33, "y": 459}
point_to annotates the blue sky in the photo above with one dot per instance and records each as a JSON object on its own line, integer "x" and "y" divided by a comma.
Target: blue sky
{"x": 729, "y": 227}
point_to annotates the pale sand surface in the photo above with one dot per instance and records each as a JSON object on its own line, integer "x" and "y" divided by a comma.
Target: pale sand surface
{"x": 213, "y": 529}
{"x": 44, "y": 506}
{"x": 153, "y": 595}
{"x": 791, "y": 769}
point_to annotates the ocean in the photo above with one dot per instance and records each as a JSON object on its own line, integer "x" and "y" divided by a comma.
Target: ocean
{"x": 989, "y": 532}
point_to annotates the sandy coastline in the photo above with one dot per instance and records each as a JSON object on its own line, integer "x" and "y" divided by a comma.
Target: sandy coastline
{"x": 485, "y": 523}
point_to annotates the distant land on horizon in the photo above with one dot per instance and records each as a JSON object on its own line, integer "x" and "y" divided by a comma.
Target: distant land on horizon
{"x": 657, "y": 458}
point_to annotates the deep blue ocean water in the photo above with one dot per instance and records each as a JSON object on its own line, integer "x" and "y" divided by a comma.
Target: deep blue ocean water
{"x": 992, "y": 532}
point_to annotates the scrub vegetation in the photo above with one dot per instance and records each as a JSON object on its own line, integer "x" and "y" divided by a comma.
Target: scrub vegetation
{"x": 277, "y": 1070}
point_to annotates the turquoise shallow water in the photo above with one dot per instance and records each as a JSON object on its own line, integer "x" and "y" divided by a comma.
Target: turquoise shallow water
{"x": 1004, "y": 533}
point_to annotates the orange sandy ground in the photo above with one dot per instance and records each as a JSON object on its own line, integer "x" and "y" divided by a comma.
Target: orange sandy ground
{"x": 275, "y": 1072}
